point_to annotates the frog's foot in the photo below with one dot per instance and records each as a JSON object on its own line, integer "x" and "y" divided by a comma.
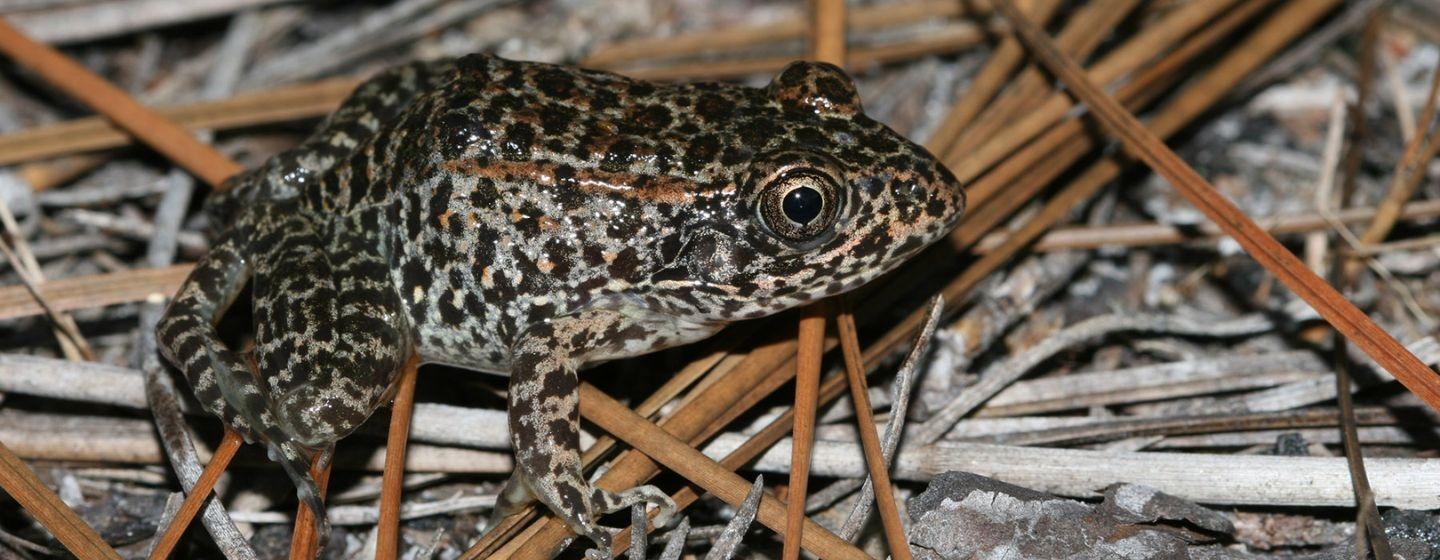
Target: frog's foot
{"x": 610, "y": 502}
{"x": 292, "y": 459}
{"x": 513, "y": 497}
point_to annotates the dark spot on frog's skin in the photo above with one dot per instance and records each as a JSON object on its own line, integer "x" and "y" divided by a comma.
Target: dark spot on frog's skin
{"x": 519, "y": 139}
{"x": 811, "y": 137}
{"x": 565, "y": 175}
{"x": 670, "y": 248}
{"x": 640, "y": 90}
{"x": 555, "y": 83}
{"x": 733, "y": 155}
{"x": 448, "y": 310}
{"x": 714, "y": 108}
{"x": 572, "y": 498}
{"x": 556, "y": 122}
{"x": 619, "y": 156}
{"x": 604, "y": 100}
{"x": 591, "y": 284}
{"x": 625, "y": 264}
{"x": 483, "y": 194}
{"x": 652, "y": 117}
{"x": 871, "y": 185}
{"x": 687, "y": 128}
{"x": 440, "y": 200}
{"x": 369, "y": 220}
{"x": 414, "y": 274}
{"x": 513, "y": 79}
{"x": 702, "y": 152}
{"x": 474, "y": 306}
{"x": 935, "y": 208}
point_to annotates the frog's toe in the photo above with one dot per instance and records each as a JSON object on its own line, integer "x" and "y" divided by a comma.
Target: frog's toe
{"x": 598, "y": 535}
{"x": 599, "y": 553}
{"x": 292, "y": 460}
{"x": 610, "y": 502}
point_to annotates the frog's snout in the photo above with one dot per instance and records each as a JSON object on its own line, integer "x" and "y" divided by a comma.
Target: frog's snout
{"x": 945, "y": 197}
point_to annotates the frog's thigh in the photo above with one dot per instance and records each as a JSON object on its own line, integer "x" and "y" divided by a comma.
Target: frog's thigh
{"x": 544, "y": 427}
{"x": 326, "y": 334}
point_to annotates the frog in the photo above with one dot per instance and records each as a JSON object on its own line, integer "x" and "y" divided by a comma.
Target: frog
{"x": 534, "y": 220}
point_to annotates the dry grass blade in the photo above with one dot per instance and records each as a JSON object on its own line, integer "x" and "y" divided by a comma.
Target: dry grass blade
{"x": 951, "y": 38}
{"x": 987, "y": 83}
{"x": 387, "y": 538}
{"x": 166, "y": 137}
{"x": 21, "y": 484}
{"x": 218, "y": 463}
{"x": 1420, "y": 150}
{"x": 860, "y": 19}
{"x": 1081, "y": 35}
{"x": 1337, "y": 310}
{"x": 869, "y": 438}
{"x": 248, "y": 109}
{"x": 1150, "y": 234}
{"x": 84, "y": 292}
{"x": 613, "y": 417}
{"x": 988, "y": 150}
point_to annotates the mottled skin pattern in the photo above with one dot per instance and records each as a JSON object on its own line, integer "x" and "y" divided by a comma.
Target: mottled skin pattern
{"x": 533, "y": 220}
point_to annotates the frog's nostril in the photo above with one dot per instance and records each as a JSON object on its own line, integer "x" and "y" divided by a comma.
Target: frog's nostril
{"x": 909, "y": 191}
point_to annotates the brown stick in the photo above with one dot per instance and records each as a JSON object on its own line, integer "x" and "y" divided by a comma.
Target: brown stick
{"x": 869, "y": 438}
{"x": 807, "y": 387}
{"x": 196, "y": 498}
{"x": 34, "y": 497}
{"x": 1336, "y": 310}
{"x": 166, "y": 137}
{"x": 304, "y": 543}
{"x": 613, "y": 417}
{"x": 827, "y": 44}
{"x": 387, "y": 538}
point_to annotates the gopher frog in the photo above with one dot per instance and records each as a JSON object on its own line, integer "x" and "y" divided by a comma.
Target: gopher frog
{"x": 531, "y": 220}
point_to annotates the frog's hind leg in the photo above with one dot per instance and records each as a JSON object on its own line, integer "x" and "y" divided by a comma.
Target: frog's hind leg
{"x": 221, "y": 378}
{"x": 329, "y": 334}
{"x": 545, "y": 429}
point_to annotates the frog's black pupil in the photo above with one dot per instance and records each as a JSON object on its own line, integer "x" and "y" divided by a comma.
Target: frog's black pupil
{"x": 802, "y": 205}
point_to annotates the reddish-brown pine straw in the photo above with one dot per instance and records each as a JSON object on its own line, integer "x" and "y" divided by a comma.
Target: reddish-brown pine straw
{"x": 224, "y": 453}
{"x": 387, "y": 538}
{"x": 1143, "y": 144}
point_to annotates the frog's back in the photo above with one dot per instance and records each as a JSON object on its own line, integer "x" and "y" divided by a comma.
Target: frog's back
{"x": 530, "y": 190}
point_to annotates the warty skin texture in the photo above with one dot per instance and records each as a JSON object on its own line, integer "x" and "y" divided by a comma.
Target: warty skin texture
{"x": 532, "y": 220}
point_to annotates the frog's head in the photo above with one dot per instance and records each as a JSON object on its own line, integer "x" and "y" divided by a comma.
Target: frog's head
{"x": 829, "y": 200}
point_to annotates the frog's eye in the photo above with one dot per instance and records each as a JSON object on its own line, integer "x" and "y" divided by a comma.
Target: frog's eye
{"x": 800, "y": 204}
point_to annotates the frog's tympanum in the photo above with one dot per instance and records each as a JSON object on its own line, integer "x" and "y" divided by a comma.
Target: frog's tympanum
{"x": 532, "y": 220}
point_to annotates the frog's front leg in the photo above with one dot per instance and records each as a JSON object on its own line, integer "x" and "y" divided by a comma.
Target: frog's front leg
{"x": 545, "y": 428}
